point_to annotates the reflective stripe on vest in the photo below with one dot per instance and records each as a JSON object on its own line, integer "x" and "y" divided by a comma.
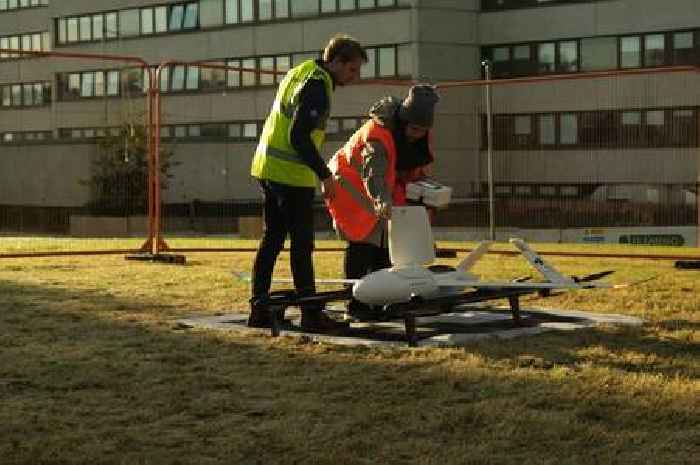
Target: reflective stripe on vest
{"x": 275, "y": 158}
{"x": 352, "y": 209}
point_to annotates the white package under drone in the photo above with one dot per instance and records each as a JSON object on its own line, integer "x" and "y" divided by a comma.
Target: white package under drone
{"x": 429, "y": 192}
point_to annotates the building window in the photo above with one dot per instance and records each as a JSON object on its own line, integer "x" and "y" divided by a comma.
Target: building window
{"x": 235, "y": 131}
{"x": 99, "y": 78}
{"x": 111, "y": 31}
{"x": 684, "y": 48}
{"x": 36, "y": 41}
{"x": 547, "y": 130}
{"x": 250, "y": 131}
{"x": 25, "y": 136}
{"x": 213, "y": 78}
{"x": 178, "y": 78}
{"x": 87, "y": 88}
{"x": 97, "y": 27}
{"x": 213, "y": 130}
{"x": 90, "y": 84}
{"x": 192, "y": 82}
{"x": 147, "y": 21}
{"x": 264, "y": 10}
{"x": 239, "y": 11}
{"x": 191, "y": 16}
{"x": 282, "y": 65}
{"x": 298, "y": 58}
{"x": 248, "y": 72}
{"x": 500, "y": 60}
{"x": 598, "y": 128}
{"x": 523, "y": 190}
{"x": 683, "y": 131}
{"x": 631, "y": 128}
{"x": 8, "y": 5}
{"x": 85, "y": 28}
{"x": 332, "y": 126}
{"x": 349, "y": 125}
{"x": 568, "y": 132}
{"x": 176, "y": 17}
{"x": 654, "y": 50}
{"x": 503, "y": 190}
{"x": 494, "y": 5}
{"x": 305, "y": 8}
{"x": 569, "y": 191}
{"x": 655, "y": 128}
{"x": 233, "y": 78}
{"x": 386, "y": 61}
{"x": 267, "y": 64}
{"x": 568, "y": 56}
{"x": 594, "y": 54}
{"x": 630, "y": 52}
{"x": 160, "y": 19}
{"x": 546, "y": 57}
{"x": 25, "y": 94}
{"x": 522, "y": 63}
{"x": 523, "y": 130}
{"x": 112, "y": 83}
{"x": 177, "y": 81}
{"x": 129, "y": 23}
{"x": 598, "y": 53}
{"x": 381, "y": 63}
{"x": 548, "y": 191}
{"x": 281, "y": 9}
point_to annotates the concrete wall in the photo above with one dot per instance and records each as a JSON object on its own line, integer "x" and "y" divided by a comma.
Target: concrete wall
{"x": 447, "y": 37}
{"x": 44, "y": 175}
{"x": 610, "y": 17}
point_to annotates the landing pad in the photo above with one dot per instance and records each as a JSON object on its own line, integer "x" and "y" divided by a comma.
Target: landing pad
{"x": 466, "y": 324}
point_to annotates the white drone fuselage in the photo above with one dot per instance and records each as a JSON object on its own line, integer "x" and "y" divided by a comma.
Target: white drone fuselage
{"x": 398, "y": 285}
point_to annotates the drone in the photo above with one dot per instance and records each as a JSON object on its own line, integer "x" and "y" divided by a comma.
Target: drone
{"x": 414, "y": 287}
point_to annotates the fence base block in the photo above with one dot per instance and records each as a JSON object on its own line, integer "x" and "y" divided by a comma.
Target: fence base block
{"x": 688, "y": 264}
{"x": 162, "y": 258}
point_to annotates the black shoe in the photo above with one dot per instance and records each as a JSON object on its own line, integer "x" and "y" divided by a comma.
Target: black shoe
{"x": 363, "y": 312}
{"x": 318, "y": 321}
{"x": 261, "y": 316}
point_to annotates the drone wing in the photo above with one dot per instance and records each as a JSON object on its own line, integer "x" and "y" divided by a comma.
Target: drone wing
{"x": 246, "y": 277}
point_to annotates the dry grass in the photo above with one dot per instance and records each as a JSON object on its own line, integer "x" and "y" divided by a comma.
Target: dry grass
{"x": 93, "y": 370}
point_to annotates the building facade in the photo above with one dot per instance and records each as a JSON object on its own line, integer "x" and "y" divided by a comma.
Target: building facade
{"x": 616, "y": 139}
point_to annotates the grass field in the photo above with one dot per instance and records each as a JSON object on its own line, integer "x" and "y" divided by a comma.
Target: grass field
{"x": 93, "y": 370}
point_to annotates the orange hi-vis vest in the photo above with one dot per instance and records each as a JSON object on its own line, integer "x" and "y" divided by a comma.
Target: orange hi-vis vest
{"x": 352, "y": 209}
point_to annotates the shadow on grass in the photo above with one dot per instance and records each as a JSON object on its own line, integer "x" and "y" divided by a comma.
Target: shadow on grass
{"x": 679, "y": 325}
{"x": 85, "y": 379}
{"x": 630, "y": 349}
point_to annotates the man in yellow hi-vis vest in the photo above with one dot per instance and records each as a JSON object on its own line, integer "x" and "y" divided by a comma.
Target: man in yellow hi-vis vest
{"x": 288, "y": 166}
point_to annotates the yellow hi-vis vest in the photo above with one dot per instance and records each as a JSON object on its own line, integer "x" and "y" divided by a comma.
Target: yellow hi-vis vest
{"x": 275, "y": 158}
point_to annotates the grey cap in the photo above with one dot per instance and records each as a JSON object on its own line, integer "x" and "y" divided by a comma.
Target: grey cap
{"x": 419, "y": 106}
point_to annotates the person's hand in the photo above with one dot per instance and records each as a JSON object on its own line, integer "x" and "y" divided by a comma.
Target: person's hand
{"x": 385, "y": 211}
{"x": 328, "y": 188}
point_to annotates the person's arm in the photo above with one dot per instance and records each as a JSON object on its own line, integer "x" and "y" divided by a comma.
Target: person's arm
{"x": 313, "y": 105}
{"x": 374, "y": 166}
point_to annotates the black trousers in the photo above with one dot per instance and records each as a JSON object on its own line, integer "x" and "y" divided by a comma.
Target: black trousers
{"x": 361, "y": 259}
{"x": 286, "y": 210}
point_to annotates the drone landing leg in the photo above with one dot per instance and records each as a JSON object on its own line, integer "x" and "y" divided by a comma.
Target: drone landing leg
{"x": 409, "y": 322}
{"x": 275, "y": 312}
{"x": 515, "y": 308}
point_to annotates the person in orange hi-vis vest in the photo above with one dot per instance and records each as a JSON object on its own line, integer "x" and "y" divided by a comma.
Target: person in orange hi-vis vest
{"x": 371, "y": 172}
